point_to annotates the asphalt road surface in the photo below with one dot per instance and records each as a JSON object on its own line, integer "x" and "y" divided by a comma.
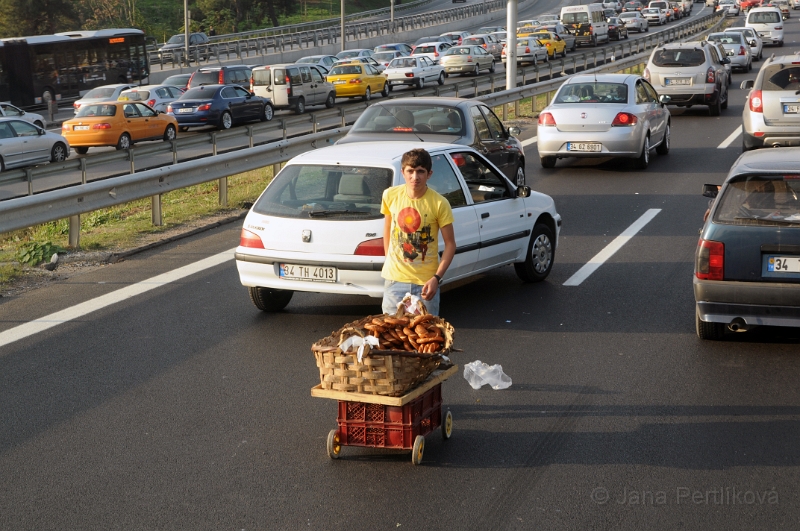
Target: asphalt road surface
{"x": 175, "y": 404}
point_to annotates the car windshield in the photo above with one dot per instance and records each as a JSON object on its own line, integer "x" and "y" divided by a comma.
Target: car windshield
{"x": 631, "y": 5}
{"x": 760, "y": 199}
{"x": 420, "y": 118}
{"x": 176, "y": 39}
{"x": 459, "y": 50}
{"x": 592, "y": 93}
{"x": 198, "y": 93}
{"x": 100, "y": 92}
{"x": 679, "y": 57}
{"x": 403, "y": 62}
{"x": 764, "y": 17}
{"x": 97, "y": 110}
{"x": 781, "y": 77}
{"x": 575, "y": 18}
{"x": 325, "y": 192}
{"x": 345, "y": 70}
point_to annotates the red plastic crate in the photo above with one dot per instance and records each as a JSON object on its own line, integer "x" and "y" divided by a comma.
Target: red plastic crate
{"x": 379, "y": 426}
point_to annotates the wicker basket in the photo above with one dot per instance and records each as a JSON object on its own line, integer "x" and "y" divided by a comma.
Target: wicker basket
{"x": 380, "y": 372}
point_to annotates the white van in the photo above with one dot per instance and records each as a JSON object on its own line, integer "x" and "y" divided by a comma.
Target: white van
{"x": 768, "y": 23}
{"x": 292, "y": 86}
{"x": 587, "y": 22}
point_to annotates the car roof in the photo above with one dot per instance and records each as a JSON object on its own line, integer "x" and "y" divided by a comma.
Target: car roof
{"x": 766, "y": 160}
{"x": 447, "y": 102}
{"x": 377, "y": 153}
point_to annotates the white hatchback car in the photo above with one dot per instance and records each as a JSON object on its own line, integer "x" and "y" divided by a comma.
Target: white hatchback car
{"x": 318, "y": 227}
{"x": 768, "y": 23}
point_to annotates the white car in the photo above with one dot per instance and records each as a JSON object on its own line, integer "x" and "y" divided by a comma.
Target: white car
{"x": 431, "y": 50}
{"x": 655, "y": 15}
{"x": 753, "y": 40}
{"x": 634, "y": 20}
{"x": 9, "y": 111}
{"x": 157, "y": 97}
{"x": 24, "y": 144}
{"x": 101, "y": 94}
{"x": 318, "y": 226}
{"x": 413, "y": 71}
{"x": 529, "y": 50}
{"x": 384, "y": 58}
{"x": 730, "y": 6}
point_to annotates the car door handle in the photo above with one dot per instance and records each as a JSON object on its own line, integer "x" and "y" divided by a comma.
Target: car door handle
{"x": 484, "y": 215}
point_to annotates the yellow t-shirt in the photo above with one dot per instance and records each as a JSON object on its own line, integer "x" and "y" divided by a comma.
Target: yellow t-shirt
{"x": 414, "y": 246}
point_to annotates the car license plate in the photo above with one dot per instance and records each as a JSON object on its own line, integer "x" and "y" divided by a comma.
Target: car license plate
{"x": 81, "y": 128}
{"x": 783, "y": 264}
{"x": 339, "y": 82}
{"x": 791, "y": 109}
{"x": 307, "y": 273}
{"x": 583, "y": 146}
{"x": 185, "y": 109}
{"x": 396, "y": 82}
{"x": 677, "y": 81}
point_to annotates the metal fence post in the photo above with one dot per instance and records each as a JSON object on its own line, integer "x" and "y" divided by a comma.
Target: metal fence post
{"x": 174, "y": 152}
{"x": 223, "y": 192}
{"x": 283, "y": 126}
{"x": 250, "y": 134}
{"x": 29, "y": 178}
{"x": 214, "y": 144}
{"x": 130, "y": 157}
{"x": 342, "y": 114}
{"x": 505, "y": 111}
{"x": 75, "y": 231}
{"x": 313, "y": 123}
{"x": 83, "y": 170}
{"x": 155, "y": 210}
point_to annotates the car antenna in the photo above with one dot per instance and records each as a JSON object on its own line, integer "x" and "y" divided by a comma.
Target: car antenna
{"x": 409, "y": 127}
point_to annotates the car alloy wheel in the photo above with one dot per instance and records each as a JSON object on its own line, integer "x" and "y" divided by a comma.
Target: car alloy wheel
{"x": 539, "y": 259}
{"x": 367, "y": 95}
{"x": 226, "y": 121}
{"x": 169, "y": 133}
{"x": 269, "y": 112}
{"x": 300, "y": 107}
{"x": 59, "y": 153}
{"x": 124, "y": 141}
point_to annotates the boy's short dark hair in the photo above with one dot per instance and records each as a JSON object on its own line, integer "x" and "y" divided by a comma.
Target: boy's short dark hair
{"x": 417, "y": 157}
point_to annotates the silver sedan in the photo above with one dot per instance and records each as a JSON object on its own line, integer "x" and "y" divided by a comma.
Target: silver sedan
{"x": 24, "y": 144}
{"x": 610, "y": 115}
{"x": 529, "y": 50}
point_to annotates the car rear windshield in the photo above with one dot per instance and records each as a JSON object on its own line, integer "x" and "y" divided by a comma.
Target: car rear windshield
{"x": 575, "y": 18}
{"x": 348, "y": 55}
{"x": 593, "y": 93}
{"x": 424, "y": 49}
{"x": 459, "y": 50}
{"x": 679, "y": 57}
{"x": 198, "y": 93}
{"x": 205, "y": 78}
{"x": 726, "y": 38}
{"x": 764, "y": 17}
{"x": 100, "y": 92}
{"x": 419, "y": 118}
{"x": 632, "y": 5}
{"x": 383, "y": 56}
{"x": 325, "y": 192}
{"x": 781, "y": 77}
{"x": 134, "y": 95}
{"x": 628, "y": 15}
{"x": 759, "y": 200}
{"x": 429, "y": 39}
{"x": 262, "y": 78}
{"x": 479, "y": 41}
{"x": 403, "y": 62}
{"x": 345, "y": 70}
{"x": 97, "y": 110}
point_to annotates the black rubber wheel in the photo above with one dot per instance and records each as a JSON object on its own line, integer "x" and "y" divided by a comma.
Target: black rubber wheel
{"x": 647, "y": 29}
{"x": 492, "y": 68}
{"x": 548, "y": 162}
{"x": 270, "y": 300}
{"x": 705, "y": 330}
{"x": 58, "y": 153}
{"x": 267, "y": 113}
{"x": 663, "y": 147}
{"x": 38, "y": 124}
{"x": 170, "y": 134}
{"x": 81, "y": 150}
{"x": 724, "y": 104}
{"x": 539, "y": 258}
{"x": 330, "y": 101}
{"x": 300, "y": 106}
{"x": 714, "y": 110}
{"x": 441, "y": 79}
{"x": 367, "y": 95}
{"x": 385, "y": 91}
{"x": 420, "y": 83}
{"x": 644, "y": 159}
{"x": 225, "y": 121}
{"x": 124, "y": 141}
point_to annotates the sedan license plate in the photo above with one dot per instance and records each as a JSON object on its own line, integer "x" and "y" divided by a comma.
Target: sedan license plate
{"x": 307, "y": 273}
{"x": 81, "y": 128}
{"x": 791, "y": 109}
{"x": 396, "y": 82}
{"x": 584, "y": 146}
{"x": 677, "y": 81}
{"x": 185, "y": 109}
{"x": 783, "y": 264}
{"x": 339, "y": 82}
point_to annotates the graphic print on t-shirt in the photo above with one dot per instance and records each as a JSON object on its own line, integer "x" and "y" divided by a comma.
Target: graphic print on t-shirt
{"x": 412, "y": 234}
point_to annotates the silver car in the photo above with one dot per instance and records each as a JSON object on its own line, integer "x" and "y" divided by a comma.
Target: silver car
{"x": 609, "y": 115}
{"x": 736, "y": 49}
{"x": 771, "y": 116}
{"x": 487, "y": 42}
{"x": 529, "y": 50}
{"x": 753, "y": 40}
{"x": 467, "y": 60}
{"x": 9, "y": 111}
{"x": 101, "y": 94}
{"x": 24, "y": 144}
{"x": 634, "y": 20}
{"x": 413, "y": 71}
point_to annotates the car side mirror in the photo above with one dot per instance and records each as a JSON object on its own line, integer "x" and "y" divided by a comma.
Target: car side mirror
{"x": 523, "y": 191}
{"x": 747, "y": 84}
{"x": 725, "y": 61}
{"x": 21, "y": 113}
{"x": 751, "y": 42}
{"x": 664, "y": 99}
{"x": 41, "y": 131}
{"x": 711, "y": 190}
{"x": 514, "y": 131}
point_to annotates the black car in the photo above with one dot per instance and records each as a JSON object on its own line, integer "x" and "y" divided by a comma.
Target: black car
{"x": 617, "y": 29}
{"x": 178, "y": 42}
{"x": 220, "y": 106}
{"x": 747, "y": 263}
{"x": 451, "y": 120}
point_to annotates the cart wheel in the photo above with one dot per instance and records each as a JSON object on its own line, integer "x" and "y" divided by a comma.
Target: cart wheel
{"x": 447, "y": 425}
{"x": 334, "y": 448}
{"x": 419, "y": 447}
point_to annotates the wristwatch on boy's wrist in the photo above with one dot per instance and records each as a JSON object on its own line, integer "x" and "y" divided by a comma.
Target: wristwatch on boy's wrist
{"x": 438, "y": 279}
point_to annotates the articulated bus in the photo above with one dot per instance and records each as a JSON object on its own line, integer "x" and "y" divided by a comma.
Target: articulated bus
{"x": 36, "y": 70}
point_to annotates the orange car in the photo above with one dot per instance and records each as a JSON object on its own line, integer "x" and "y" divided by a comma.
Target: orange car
{"x": 118, "y": 124}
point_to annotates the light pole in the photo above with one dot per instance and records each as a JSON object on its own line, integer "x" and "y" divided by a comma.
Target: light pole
{"x": 186, "y": 29}
{"x": 342, "y": 24}
{"x": 511, "y": 45}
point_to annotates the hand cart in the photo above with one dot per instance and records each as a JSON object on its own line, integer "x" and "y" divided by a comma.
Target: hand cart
{"x": 401, "y": 423}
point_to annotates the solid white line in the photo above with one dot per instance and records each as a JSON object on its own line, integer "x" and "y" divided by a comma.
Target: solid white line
{"x": 75, "y": 312}
{"x": 733, "y": 136}
{"x": 609, "y": 250}
{"x": 529, "y": 141}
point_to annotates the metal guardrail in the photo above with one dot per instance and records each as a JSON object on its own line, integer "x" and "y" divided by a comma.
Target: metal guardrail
{"x": 49, "y": 206}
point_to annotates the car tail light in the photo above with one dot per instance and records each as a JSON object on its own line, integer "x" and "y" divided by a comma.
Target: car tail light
{"x": 484, "y": 45}
{"x": 711, "y": 76}
{"x": 409, "y": 74}
{"x": 101, "y": 126}
{"x": 469, "y": 58}
{"x": 169, "y": 108}
{"x": 624, "y": 119}
{"x": 204, "y": 107}
{"x": 591, "y": 30}
{"x": 527, "y": 49}
{"x": 250, "y": 239}
{"x": 709, "y": 263}
{"x": 370, "y": 248}
{"x": 252, "y": 81}
{"x": 356, "y": 81}
{"x": 151, "y": 102}
{"x": 546, "y": 120}
{"x": 741, "y": 50}
{"x": 76, "y": 105}
{"x": 436, "y": 54}
{"x": 756, "y": 104}
{"x": 779, "y": 28}
{"x": 65, "y": 127}
{"x": 221, "y": 77}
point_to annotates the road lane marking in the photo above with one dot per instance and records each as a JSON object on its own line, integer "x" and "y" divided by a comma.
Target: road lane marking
{"x": 529, "y": 141}
{"x": 80, "y": 310}
{"x": 733, "y": 136}
{"x": 609, "y": 250}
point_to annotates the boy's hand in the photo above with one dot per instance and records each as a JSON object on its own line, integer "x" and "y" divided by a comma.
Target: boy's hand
{"x": 430, "y": 288}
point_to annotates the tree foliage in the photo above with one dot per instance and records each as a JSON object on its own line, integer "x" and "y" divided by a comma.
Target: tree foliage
{"x": 19, "y": 18}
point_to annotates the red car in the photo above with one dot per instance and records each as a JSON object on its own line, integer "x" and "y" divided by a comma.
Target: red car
{"x": 747, "y": 4}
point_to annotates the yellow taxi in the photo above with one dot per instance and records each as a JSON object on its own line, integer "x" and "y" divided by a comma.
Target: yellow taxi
{"x": 555, "y": 44}
{"x": 118, "y": 124}
{"x": 354, "y": 79}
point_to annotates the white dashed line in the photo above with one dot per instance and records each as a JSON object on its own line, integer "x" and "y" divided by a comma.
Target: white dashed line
{"x": 733, "y": 136}
{"x": 609, "y": 250}
{"x": 529, "y": 141}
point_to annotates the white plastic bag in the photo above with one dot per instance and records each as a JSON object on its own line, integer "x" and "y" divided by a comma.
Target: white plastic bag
{"x": 479, "y": 374}
{"x": 358, "y": 341}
